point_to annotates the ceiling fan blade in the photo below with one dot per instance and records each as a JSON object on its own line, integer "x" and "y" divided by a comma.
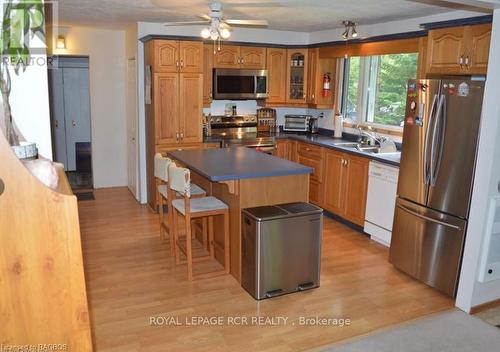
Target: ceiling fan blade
{"x": 257, "y": 23}
{"x": 185, "y": 23}
{"x": 205, "y": 17}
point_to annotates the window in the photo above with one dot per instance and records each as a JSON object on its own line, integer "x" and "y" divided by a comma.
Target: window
{"x": 375, "y": 88}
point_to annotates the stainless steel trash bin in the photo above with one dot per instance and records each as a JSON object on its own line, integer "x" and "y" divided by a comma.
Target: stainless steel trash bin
{"x": 281, "y": 249}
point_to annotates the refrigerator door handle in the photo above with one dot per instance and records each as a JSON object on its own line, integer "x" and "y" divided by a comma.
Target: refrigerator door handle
{"x": 409, "y": 211}
{"x": 427, "y": 140}
{"x": 438, "y": 141}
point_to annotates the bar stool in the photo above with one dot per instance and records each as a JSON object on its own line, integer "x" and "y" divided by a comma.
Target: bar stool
{"x": 193, "y": 208}
{"x": 161, "y": 165}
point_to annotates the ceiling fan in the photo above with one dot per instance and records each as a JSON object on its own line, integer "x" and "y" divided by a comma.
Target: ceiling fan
{"x": 218, "y": 26}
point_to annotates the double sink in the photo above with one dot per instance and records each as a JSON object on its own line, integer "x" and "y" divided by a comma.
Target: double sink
{"x": 370, "y": 149}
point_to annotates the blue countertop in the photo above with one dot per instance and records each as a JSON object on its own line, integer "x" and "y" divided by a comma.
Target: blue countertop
{"x": 227, "y": 164}
{"x": 332, "y": 143}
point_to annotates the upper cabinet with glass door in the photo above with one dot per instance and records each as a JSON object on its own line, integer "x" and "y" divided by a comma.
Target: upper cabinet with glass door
{"x": 297, "y": 76}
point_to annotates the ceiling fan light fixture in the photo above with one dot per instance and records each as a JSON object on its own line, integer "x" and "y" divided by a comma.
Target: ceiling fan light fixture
{"x": 205, "y": 33}
{"x": 345, "y": 35}
{"x": 354, "y": 33}
{"x": 350, "y": 26}
{"x": 214, "y": 34}
{"x": 225, "y": 33}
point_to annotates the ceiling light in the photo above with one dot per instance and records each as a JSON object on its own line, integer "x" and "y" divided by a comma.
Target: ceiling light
{"x": 205, "y": 33}
{"x": 345, "y": 35}
{"x": 349, "y": 26}
{"x": 214, "y": 34}
{"x": 61, "y": 42}
{"x": 225, "y": 33}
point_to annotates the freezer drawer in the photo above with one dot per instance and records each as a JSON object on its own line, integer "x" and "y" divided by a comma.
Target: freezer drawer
{"x": 281, "y": 249}
{"x": 427, "y": 245}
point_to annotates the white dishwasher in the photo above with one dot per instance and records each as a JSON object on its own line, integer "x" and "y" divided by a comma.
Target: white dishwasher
{"x": 381, "y": 201}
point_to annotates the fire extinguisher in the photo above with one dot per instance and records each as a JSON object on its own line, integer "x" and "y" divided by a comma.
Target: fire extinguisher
{"x": 326, "y": 84}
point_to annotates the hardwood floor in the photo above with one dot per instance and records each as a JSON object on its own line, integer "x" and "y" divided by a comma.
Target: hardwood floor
{"x": 131, "y": 276}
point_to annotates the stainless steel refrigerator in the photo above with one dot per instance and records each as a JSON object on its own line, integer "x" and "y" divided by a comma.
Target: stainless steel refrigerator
{"x": 435, "y": 181}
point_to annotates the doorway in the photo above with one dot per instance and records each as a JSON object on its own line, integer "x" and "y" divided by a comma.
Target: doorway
{"x": 70, "y": 120}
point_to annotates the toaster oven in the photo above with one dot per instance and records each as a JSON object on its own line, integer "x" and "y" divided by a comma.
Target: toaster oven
{"x": 296, "y": 123}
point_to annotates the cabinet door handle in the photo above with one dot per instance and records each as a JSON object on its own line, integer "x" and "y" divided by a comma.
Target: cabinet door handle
{"x": 177, "y": 64}
{"x": 467, "y": 62}
{"x": 73, "y": 123}
{"x": 461, "y": 61}
{"x": 177, "y": 136}
{"x": 182, "y": 136}
{"x": 312, "y": 95}
{"x": 182, "y": 63}
{"x": 57, "y": 123}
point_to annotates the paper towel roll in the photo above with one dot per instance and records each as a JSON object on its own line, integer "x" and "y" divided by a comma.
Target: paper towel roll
{"x": 337, "y": 126}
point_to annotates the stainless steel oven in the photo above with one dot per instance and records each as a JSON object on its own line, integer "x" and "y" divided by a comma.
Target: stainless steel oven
{"x": 239, "y": 84}
{"x": 241, "y": 131}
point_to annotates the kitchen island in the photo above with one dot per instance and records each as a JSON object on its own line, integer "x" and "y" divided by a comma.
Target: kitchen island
{"x": 243, "y": 178}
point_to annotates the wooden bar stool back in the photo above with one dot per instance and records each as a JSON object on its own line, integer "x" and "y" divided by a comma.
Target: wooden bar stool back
{"x": 192, "y": 208}
{"x": 161, "y": 165}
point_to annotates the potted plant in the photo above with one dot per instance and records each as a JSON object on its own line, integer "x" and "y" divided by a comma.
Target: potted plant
{"x": 21, "y": 21}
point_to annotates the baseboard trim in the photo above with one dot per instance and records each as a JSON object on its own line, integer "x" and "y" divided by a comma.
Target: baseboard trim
{"x": 485, "y": 306}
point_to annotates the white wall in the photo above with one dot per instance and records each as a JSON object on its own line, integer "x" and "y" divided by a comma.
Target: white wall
{"x": 106, "y": 50}
{"x": 470, "y": 291}
{"x": 29, "y": 100}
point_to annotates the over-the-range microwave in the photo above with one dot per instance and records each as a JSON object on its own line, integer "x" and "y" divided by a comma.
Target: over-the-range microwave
{"x": 240, "y": 84}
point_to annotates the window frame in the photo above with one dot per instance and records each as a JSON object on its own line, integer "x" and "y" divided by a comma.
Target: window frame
{"x": 366, "y": 68}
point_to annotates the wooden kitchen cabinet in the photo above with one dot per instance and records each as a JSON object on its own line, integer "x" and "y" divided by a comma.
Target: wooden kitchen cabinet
{"x": 277, "y": 65}
{"x": 283, "y": 149}
{"x": 252, "y": 57}
{"x": 316, "y": 72}
{"x": 459, "y": 50}
{"x": 177, "y": 56}
{"x": 166, "y": 56}
{"x": 177, "y": 106}
{"x": 333, "y": 199}
{"x": 356, "y": 189}
{"x": 480, "y": 38}
{"x": 246, "y": 57}
{"x": 296, "y": 83}
{"x": 208, "y": 65}
{"x": 227, "y": 57}
{"x": 174, "y": 115}
{"x": 190, "y": 107}
{"x": 346, "y": 183}
{"x": 191, "y": 57}
{"x": 312, "y": 156}
{"x": 166, "y": 107}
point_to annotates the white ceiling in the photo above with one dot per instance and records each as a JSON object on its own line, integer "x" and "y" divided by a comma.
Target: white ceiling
{"x": 293, "y": 15}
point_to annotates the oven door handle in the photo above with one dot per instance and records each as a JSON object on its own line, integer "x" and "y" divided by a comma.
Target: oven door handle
{"x": 265, "y": 149}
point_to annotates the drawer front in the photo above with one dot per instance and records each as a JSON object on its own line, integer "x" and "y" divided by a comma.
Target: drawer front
{"x": 317, "y": 175}
{"x": 309, "y": 151}
{"x": 164, "y": 148}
